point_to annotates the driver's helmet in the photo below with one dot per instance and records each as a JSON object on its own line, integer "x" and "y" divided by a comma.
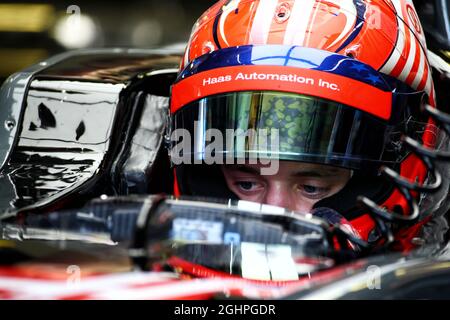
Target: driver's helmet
{"x": 340, "y": 81}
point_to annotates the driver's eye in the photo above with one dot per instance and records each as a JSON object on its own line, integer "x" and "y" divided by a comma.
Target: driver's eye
{"x": 313, "y": 192}
{"x": 246, "y": 185}
{"x": 310, "y": 189}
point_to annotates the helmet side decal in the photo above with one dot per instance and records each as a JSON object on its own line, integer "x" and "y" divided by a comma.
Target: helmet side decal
{"x": 329, "y": 17}
{"x": 349, "y": 10}
{"x": 219, "y": 22}
{"x": 415, "y": 78}
{"x": 384, "y": 34}
{"x": 231, "y": 7}
{"x": 361, "y": 11}
{"x": 297, "y": 25}
{"x": 399, "y": 47}
{"x": 367, "y": 30}
{"x": 215, "y": 26}
{"x": 408, "y": 61}
{"x": 262, "y": 22}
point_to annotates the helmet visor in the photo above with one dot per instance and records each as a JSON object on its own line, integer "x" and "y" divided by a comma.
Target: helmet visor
{"x": 278, "y": 125}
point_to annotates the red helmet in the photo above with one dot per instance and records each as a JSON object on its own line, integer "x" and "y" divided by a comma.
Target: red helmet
{"x": 385, "y": 34}
{"x": 342, "y": 81}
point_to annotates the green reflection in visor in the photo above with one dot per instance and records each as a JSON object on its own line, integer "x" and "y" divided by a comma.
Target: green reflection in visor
{"x": 285, "y": 126}
{"x": 302, "y": 123}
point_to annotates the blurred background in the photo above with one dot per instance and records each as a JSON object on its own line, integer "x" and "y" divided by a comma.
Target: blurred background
{"x": 31, "y": 31}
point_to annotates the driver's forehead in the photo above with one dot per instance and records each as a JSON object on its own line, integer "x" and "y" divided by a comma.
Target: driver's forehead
{"x": 290, "y": 169}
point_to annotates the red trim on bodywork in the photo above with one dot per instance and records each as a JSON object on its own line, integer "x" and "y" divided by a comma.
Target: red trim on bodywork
{"x": 199, "y": 271}
{"x": 176, "y": 188}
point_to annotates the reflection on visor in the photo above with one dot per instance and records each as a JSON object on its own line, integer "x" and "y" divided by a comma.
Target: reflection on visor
{"x": 279, "y": 125}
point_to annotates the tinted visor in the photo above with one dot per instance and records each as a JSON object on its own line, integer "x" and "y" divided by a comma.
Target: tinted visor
{"x": 279, "y": 125}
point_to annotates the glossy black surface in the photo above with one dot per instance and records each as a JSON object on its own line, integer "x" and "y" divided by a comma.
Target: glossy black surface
{"x": 222, "y": 235}
{"x": 422, "y": 274}
{"x": 90, "y": 123}
{"x": 102, "y": 231}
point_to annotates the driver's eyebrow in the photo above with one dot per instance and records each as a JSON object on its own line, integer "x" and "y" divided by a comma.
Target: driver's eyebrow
{"x": 309, "y": 173}
{"x": 246, "y": 169}
{"x": 316, "y": 173}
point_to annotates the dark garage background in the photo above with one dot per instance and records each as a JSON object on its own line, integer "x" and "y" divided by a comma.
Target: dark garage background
{"x": 33, "y": 30}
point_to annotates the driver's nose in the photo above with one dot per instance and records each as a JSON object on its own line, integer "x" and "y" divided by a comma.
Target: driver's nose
{"x": 279, "y": 195}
